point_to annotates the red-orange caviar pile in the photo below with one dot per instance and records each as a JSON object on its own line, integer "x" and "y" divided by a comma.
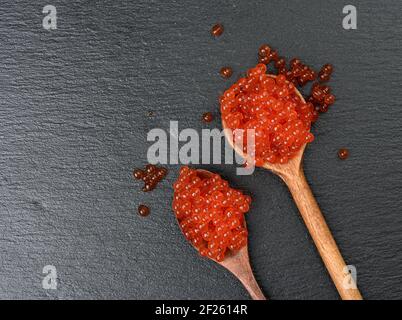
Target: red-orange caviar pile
{"x": 270, "y": 106}
{"x": 210, "y": 213}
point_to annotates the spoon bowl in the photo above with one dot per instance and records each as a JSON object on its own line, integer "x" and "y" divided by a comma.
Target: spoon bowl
{"x": 293, "y": 176}
{"x": 238, "y": 262}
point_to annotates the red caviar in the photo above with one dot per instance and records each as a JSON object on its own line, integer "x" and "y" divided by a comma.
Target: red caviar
{"x": 270, "y": 106}
{"x": 210, "y": 213}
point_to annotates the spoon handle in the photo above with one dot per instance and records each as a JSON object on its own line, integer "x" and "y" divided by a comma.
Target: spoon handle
{"x": 252, "y": 287}
{"x": 321, "y": 235}
{"x": 239, "y": 265}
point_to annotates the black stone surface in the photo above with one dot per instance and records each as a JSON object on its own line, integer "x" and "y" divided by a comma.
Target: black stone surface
{"x": 73, "y": 124}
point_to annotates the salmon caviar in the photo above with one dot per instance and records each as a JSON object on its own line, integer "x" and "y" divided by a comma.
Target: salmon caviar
{"x": 299, "y": 74}
{"x": 270, "y": 106}
{"x": 210, "y": 213}
{"x": 321, "y": 97}
{"x": 207, "y": 117}
{"x": 226, "y": 72}
{"x": 343, "y": 153}
{"x": 264, "y": 50}
{"x": 151, "y": 175}
{"x": 217, "y": 30}
{"x": 325, "y": 72}
{"x": 143, "y": 210}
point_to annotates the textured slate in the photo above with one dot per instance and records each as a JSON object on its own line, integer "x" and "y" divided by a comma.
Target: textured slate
{"x": 73, "y": 123}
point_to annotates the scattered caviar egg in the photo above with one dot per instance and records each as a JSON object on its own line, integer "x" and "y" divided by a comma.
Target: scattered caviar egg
{"x": 143, "y": 210}
{"x": 149, "y": 168}
{"x": 321, "y": 97}
{"x": 264, "y": 60}
{"x": 270, "y": 105}
{"x": 329, "y": 99}
{"x": 210, "y": 213}
{"x": 327, "y": 68}
{"x": 151, "y": 175}
{"x": 323, "y": 108}
{"x": 299, "y": 74}
{"x": 207, "y": 117}
{"x": 280, "y": 63}
{"x": 273, "y": 55}
{"x": 317, "y": 94}
{"x": 343, "y": 153}
{"x": 325, "y": 72}
{"x": 226, "y": 72}
{"x": 326, "y": 89}
{"x": 264, "y": 50}
{"x": 138, "y": 174}
{"x": 323, "y": 77}
{"x": 294, "y": 62}
{"x": 217, "y": 30}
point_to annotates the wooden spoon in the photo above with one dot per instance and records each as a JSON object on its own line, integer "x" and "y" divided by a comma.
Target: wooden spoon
{"x": 238, "y": 263}
{"x": 292, "y": 174}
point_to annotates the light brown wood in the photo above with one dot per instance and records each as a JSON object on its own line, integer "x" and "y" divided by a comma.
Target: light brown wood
{"x": 238, "y": 263}
{"x": 292, "y": 174}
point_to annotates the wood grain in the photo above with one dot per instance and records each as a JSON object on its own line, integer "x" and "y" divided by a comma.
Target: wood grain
{"x": 293, "y": 175}
{"x": 239, "y": 265}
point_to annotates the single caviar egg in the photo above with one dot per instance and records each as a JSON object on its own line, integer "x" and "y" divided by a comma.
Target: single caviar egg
{"x": 343, "y": 153}
{"x": 210, "y": 213}
{"x": 272, "y": 106}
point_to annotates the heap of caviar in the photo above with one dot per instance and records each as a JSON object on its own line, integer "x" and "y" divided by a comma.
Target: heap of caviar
{"x": 210, "y": 213}
{"x": 273, "y": 108}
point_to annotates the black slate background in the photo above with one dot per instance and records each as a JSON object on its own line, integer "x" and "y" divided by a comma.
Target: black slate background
{"x": 73, "y": 123}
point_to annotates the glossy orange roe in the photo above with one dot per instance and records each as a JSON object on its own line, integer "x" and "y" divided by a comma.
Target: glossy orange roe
{"x": 271, "y": 106}
{"x": 210, "y": 213}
